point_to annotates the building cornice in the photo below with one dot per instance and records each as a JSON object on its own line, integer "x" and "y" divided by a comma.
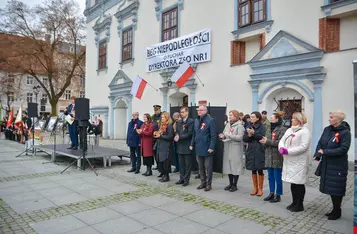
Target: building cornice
{"x": 96, "y": 10}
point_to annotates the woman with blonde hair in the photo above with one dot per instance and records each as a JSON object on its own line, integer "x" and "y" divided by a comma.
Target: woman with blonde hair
{"x": 294, "y": 146}
{"x": 232, "y": 137}
{"x": 332, "y": 150}
{"x": 164, "y": 136}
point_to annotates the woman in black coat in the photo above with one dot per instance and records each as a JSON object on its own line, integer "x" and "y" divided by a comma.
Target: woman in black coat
{"x": 255, "y": 152}
{"x": 332, "y": 150}
{"x": 164, "y": 136}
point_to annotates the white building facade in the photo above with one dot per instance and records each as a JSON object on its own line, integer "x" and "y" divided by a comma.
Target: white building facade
{"x": 265, "y": 55}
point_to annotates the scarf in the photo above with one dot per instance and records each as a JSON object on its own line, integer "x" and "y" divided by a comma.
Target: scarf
{"x": 163, "y": 126}
{"x": 275, "y": 125}
{"x": 232, "y": 122}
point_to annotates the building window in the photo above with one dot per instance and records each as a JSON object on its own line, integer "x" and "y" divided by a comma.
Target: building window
{"x": 29, "y": 97}
{"x": 45, "y": 81}
{"x": 83, "y": 81}
{"x": 10, "y": 97}
{"x": 44, "y": 98}
{"x": 82, "y": 94}
{"x": 29, "y": 80}
{"x": 102, "y": 58}
{"x": 251, "y": 12}
{"x": 71, "y": 49}
{"x": 169, "y": 25}
{"x": 10, "y": 78}
{"x": 67, "y": 94}
{"x": 127, "y": 44}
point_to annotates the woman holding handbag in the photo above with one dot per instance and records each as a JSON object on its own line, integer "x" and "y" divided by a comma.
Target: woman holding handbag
{"x": 331, "y": 151}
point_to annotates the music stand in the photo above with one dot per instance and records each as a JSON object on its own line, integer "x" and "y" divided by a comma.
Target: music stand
{"x": 51, "y": 127}
{"x": 33, "y": 142}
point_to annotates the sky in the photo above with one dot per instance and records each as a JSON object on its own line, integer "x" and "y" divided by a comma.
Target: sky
{"x": 36, "y": 2}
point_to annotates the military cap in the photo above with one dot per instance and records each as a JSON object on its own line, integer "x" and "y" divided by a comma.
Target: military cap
{"x": 157, "y": 106}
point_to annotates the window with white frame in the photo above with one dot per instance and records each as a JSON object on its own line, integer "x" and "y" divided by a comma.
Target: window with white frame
{"x": 82, "y": 94}
{"x": 83, "y": 81}
{"x": 29, "y": 80}
{"x": 44, "y": 97}
{"x": 67, "y": 94}
{"x": 10, "y": 97}
{"x": 29, "y": 97}
{"x": 45, "y": 81}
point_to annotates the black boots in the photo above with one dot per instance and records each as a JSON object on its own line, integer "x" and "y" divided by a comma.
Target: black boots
{"x": 233, "y": 180}
{"x": 299, "y": 198}
{"x": 275, "y": 199}
{"x": 269, "y": 197}
{"x": 148, "y": 171}
{"x": 165, "y": 178}
{"x": 234, "y": 186}
{"x": 336, "y": 212}
{"x": 230, "y": 177}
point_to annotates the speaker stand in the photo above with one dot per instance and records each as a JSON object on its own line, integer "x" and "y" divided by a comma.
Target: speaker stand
{"x": 83, "y": 132}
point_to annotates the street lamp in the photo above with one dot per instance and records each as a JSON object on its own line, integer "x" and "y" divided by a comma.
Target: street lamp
{"x": 36, "y": 90}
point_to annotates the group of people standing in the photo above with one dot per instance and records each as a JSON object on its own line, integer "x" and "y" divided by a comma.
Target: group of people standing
{"x": 266, "y": 145}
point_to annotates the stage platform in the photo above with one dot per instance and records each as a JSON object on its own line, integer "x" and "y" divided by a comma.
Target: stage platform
{"x": 92, "y": 152}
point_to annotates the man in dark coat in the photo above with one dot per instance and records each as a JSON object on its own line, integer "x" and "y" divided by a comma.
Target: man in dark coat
{"x": 72, "y": 128}
{"x": 133, "y": 141}
{"x": 183, "y": 137}
{"x": 332, "y": 150}
{"x": 156, "y": 121}
{"x": 204, "y": 141}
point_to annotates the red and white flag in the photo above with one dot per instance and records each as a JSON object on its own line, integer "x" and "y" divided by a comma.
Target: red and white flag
{"x": 182, "y": 74}
{"x": 18, "y": 120}
{"x": 138, "y": 87}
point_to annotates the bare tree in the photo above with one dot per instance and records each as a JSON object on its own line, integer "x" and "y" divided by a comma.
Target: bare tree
{"x": 48, "y": 42}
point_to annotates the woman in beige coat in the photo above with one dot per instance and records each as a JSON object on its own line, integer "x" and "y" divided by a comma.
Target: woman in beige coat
{"x": 294, "y": 146}
{"x": 232, "y": 137}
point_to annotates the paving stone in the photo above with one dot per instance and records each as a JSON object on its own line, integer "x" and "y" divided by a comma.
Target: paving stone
{"x": 59, "y": 225}
{"x": 152, "y": 216}
{"x": 97, "y": 216}
{"x": 123, "y": 225}
{"x": 208, "y": 217}
{"x": 129, "y": 207}
{"x": 181, "y": 225}
{"x": 84, "y": 230}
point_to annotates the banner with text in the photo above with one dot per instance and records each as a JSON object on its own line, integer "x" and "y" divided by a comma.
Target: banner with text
{"x": 192, "y": 48}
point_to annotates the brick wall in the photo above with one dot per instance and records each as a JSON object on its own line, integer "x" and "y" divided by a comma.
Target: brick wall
{"x": 237, "y": 52}
{"x": 329, "y": 34}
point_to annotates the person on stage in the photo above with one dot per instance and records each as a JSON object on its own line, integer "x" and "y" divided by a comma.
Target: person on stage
{"x": 72, "y": 128}
{"x": 204, "y": 141}
{"x": 183, "y": 137}
{"x": 133, "y": 141}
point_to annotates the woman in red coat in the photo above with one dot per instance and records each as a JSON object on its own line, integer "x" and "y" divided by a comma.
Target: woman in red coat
{"x": 146, "y": 133}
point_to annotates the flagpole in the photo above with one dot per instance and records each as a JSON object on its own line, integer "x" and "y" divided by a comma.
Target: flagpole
{"x": 152, "y": 86}
{"x": 199, "y": 79}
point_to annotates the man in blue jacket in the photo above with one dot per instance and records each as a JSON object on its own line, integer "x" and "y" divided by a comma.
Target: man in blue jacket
{"x": 204, "y": 141}
{"x": 133, "y": 141}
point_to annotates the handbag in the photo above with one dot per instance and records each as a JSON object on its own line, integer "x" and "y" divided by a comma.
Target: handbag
{"x": 318, "y": 170}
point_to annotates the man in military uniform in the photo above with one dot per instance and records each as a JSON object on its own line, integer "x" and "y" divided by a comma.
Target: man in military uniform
{"x": 156, "y": 120}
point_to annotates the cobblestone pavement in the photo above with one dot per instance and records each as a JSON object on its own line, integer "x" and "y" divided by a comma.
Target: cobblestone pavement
{"x": 36, "y": 198}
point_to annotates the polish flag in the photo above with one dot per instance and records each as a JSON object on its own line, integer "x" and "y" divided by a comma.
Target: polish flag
{"x": 182, "y": 74}
{"x": 138, "y": 87}
{"x": 18, "y": 120}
